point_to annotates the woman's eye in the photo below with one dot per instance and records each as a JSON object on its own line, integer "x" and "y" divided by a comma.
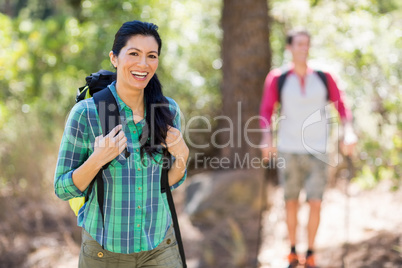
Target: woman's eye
{"x": 134, "y": 54}
{"x": 153, "y": 56}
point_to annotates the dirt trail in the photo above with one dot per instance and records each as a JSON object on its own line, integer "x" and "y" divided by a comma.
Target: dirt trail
{"x": 369, "y": 220}
{"x": 374, "y": 233}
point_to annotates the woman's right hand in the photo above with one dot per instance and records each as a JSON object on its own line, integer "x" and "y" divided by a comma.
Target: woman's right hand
{"x": 109, "y": 147}
{"x": 105, "y": 150}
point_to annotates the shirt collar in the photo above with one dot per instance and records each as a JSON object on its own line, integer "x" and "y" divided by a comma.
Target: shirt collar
{"x": 120, "y": 103}
{"x": 292, "y": 66}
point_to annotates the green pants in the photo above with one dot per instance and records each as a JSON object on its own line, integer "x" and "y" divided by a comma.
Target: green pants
{"x": 166, "y": 255}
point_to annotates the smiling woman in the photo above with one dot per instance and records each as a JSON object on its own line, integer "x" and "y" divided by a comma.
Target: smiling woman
{"x": 136, "y": 65}
{"x": 136, "y": 230}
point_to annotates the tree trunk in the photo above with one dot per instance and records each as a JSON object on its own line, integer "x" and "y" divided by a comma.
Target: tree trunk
{"x": 246, "y": 61}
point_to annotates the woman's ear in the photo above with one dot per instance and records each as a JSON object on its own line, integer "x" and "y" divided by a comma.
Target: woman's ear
{"x": 113, "y": 59}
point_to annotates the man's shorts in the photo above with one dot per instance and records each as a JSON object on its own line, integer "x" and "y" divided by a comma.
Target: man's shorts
{"x": 303, "y": 171}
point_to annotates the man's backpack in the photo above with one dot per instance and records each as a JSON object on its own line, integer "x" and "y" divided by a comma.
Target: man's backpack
{"x": 282, "y": 79}
{"x": 109, "y": 117}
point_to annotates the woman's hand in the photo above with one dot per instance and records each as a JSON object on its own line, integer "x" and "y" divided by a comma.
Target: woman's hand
{"x": 176, "y": 144}
{"x": 107, "y": 148}
{"x": 178, "y": 148}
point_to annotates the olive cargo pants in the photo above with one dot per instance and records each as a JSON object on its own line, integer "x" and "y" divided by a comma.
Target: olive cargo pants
{"x": 166, "y": 255}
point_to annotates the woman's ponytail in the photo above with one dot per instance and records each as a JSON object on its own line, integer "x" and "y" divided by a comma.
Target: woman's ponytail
{"x": 158, "y": 118}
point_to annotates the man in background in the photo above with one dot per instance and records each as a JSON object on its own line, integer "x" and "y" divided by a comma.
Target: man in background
{"x": 303, "y": 94}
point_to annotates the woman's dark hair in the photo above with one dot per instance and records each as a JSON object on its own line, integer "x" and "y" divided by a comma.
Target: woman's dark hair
{"x": 291, "y": 34}
{"x": 158, "y": 115}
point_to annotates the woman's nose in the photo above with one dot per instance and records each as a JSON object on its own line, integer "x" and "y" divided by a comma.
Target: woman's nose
{"x": 143, "y": 61}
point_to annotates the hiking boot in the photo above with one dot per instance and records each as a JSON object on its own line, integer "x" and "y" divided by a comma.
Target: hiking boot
{"x": 310, "y": 263}
{"x": 293, "y": 260}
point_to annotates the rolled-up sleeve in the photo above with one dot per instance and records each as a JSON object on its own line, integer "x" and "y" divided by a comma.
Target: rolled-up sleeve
{"x": 177, "y": 124}
{"x": 72, "y": 153}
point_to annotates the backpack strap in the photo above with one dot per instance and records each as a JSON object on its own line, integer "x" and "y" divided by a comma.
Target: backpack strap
{"x": 167, "y": 162}
{"x": 108, "y": 110}
{"x": 281, "y": 82}
{"x": 323, "y": 78}
{"x": 282, "y": 78}
{"x": 109, "y": 117}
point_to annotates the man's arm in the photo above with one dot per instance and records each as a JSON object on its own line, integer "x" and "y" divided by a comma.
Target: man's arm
{"x": 337, "y": 97}
{"x": 269, "y": 99}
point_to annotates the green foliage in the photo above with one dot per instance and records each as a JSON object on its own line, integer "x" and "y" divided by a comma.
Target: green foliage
{"x": 361, "y": 43}
{"x": 47, "y": 51}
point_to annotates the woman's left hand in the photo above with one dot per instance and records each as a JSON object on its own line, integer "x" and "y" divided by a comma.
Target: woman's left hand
{"x": 176, "y": 144}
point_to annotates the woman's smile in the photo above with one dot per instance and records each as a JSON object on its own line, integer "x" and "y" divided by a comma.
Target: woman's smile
{"x": 139, "y": 75}
{"x": 136, "y": 63}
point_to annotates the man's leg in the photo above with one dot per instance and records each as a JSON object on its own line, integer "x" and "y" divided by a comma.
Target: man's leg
{"x": 312, "y": 227}
{"x": 313, "y": 221}
{"x": 291, "y": 179}
{"x": 291, "y": 220}
{"x": 292, "y": 206}
{"x": 315, "y": 186}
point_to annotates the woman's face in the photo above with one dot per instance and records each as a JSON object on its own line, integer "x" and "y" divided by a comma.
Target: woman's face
{"x": 137, "y": 62}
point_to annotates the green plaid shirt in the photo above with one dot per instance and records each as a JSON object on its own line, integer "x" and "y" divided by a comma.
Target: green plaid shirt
{"x": 137, "y": 214}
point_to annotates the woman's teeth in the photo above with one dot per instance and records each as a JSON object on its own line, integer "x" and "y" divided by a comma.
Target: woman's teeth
{"x": 139, "y": 74}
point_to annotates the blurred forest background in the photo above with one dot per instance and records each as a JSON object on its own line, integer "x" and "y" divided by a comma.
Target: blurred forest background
{"x": 48, "y": 47}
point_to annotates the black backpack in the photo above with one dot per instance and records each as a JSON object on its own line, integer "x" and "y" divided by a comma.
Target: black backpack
{"x": 282, "y": 79}
{"x": 96, "y": 87}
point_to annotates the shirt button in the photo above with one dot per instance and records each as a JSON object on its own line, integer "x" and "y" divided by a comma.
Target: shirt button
{"x": 138, "y": 169}
{"x": 139, "y": 207}
{"x": 138, "y": 225}
{"x": 139, "y": 188}
{"x": 134, "y": 131}
{"x": 168, "y": 241}
{"x": 100, "y": 254}
{"x": 137, "y": 150}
